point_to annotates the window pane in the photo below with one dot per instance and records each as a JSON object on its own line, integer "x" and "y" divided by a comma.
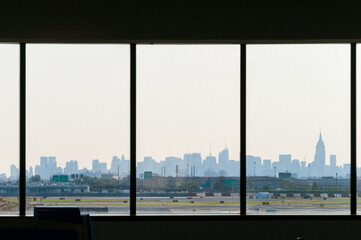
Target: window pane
{"x": 188, "y": 129}
{"x": 298, "y": 132}
{"x": 78, "y": 127}
{"x": 9, "y": 128}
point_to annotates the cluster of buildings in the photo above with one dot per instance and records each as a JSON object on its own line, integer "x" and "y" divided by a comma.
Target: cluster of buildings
{"x": 190, "y": 165}
{"x": 193, "y": 165}
{"x": 255, "y": 166}
{"x": 48, "y": 168}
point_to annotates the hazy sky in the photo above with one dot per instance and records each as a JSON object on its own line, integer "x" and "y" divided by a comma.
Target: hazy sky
{"x": 9, "y": 106}
{"x": 188, "y": 98}
{"x": 293, "y": 91}
{"x": 77, "y": 102}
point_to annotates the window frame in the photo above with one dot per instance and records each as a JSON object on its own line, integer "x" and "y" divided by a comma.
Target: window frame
{"x": 243, "y": 215}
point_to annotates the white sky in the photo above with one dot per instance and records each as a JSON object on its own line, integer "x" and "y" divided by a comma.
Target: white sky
{"x": 293, "y": 91}
{"x": 77, "y": 102}
{"x": 188, "y": 98}
{"x": 9, "y": 106}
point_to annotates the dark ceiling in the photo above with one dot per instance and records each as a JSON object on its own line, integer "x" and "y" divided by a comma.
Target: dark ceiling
{"x": 183, "y": 21}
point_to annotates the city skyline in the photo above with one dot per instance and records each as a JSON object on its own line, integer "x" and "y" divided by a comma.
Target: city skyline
{"x": 186, "y": 94}
{"x": 196, "y": 164}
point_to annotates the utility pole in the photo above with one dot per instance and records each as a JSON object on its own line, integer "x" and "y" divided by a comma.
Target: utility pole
{"x": 309, "y": 171}
{"x": 336, "y": 183}
{"x": 254, "y": 169}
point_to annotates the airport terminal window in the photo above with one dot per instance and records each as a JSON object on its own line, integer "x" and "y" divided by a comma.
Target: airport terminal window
{"x": 298, "y": 129}
{"x": 188, "y": 131}
{"x": 188, "y": 128}
{"x": 78, "y": 132}
{"x": 9, "y": 129}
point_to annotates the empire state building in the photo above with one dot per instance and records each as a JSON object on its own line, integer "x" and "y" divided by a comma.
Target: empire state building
{"x": 320, "y": 157}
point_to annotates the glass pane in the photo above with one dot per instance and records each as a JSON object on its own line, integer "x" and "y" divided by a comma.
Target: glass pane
{"x": 9, "y": 128}
{"x": 298, "y": 131}
{"x": 188, "y": 129}
{"x": 78, "y": 127}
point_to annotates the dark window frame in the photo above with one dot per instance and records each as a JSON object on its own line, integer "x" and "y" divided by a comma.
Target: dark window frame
{"x": 243, "y": 213}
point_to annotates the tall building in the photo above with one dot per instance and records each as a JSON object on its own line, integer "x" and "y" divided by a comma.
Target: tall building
{"x": 14, "y": 172}
{"x": 210, "y": 166}
{"x": 31, "y": 172}
{"x": 318, "y": 164}
{"x": 115, "y": 165}
{"x": 174, "y": 166}
{"x": 223, "y": 161}
{"x": 285, "y": 162}
{"x": 295, "y": 167}
{"x": 52, "y": 167}
{"x": 44, "y": 166}
{"x": 120, "y": 167}
{"x": 37, "y": 170}
{"x": 103, "y": 167}
{"x": 267, "y": 168}
{"x": 333, "y": 160}
{"x": 96, "y": 165}
{"x": 71, "y": 167}
{"x": 194, "y": 164}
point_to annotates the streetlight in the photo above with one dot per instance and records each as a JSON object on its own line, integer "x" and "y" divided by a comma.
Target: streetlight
{"x": 336, "y": 183}
{"x": 309, "y": 171}
{"x": 254, "y": 169}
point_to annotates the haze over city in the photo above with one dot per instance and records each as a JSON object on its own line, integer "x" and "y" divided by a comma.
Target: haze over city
{"x": 188, "y": 100}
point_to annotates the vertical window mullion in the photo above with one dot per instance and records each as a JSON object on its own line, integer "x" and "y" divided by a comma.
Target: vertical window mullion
{"x": 353, "y": 131}
{"x": 243, "y": 131}
{"x": 133, "y": 142}
{"x": 22, "y": 168}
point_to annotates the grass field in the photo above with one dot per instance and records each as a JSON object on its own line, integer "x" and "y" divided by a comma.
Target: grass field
{"x": 168, "y": 205}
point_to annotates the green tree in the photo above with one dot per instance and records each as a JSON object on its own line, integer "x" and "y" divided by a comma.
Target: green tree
{"x": 315, "y": 186}
{"x": 35, "y": 178}
{"x": 220, "y": 186}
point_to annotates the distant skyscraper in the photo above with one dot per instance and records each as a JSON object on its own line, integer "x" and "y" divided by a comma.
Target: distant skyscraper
{"x": 30, "y": 173}
{"x": 223, "y": 161}
{"x": 52, "y": 166}
{"x": 267, "y": 167}
{"x": 37, "y": 170}
{"x": 210, "y": 166}
{"x": 115, "y": 165}
{"x": 96, "y": 165}
{"x": 71, "y": 167}
{"x": 171, "y": 165}
{"x": 333, "y": 160}
{"x": 285, "y": 162}
{"x": 44, "y": 167}
{"x": 194, "y": 163}
{"x": 14, "y": 172}
{"x": 318, "y": 164}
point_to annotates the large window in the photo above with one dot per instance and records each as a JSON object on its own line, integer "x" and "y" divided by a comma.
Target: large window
{"x": 9, "y": 128}
{"x": 298, "y": 129}
{"x": 80, "y": 115}
{"x": 188, "y": 131}
{"x": 78, "y": 127}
